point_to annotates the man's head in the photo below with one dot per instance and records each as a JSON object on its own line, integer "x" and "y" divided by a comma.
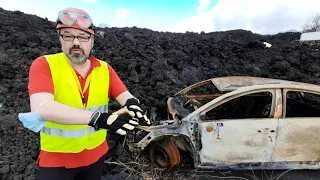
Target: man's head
{"x": 76, "y": 34}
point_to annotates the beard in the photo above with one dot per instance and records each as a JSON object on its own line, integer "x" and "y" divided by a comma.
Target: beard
{"x": 77, "y": 57}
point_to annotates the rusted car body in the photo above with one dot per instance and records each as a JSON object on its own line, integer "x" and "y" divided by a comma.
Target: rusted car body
{"x": 239, "y": 122}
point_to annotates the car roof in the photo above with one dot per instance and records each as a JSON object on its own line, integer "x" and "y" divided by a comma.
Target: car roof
{"x": 232, "y": 83}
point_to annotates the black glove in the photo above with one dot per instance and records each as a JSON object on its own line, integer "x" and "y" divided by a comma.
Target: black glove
{"x": 115, "y": 123}
{"x": 134, "y": 110}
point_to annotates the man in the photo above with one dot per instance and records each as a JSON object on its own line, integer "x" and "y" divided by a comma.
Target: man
{"x": 70, "y": 91}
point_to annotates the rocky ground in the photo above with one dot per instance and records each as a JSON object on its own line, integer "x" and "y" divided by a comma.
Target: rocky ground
{"x": 153, "y": 65}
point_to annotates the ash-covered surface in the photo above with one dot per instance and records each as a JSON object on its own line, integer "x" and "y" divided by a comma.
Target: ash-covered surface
{"x": 153, "y": 65}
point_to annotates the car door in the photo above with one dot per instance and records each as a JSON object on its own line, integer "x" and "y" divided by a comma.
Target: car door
{"x": 239, "y": 129}
{"x": 299, "y": 130}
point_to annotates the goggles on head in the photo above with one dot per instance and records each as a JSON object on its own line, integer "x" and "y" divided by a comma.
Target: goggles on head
{"x": 70, "y": 18}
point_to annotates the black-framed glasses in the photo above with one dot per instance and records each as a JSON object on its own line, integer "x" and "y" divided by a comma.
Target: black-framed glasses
{"x": 71, "y": 38}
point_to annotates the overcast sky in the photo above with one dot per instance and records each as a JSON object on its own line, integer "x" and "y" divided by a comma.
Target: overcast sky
{"x": 259, "y": 16}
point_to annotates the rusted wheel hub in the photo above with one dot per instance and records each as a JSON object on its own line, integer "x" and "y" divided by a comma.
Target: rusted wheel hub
{"x": 165, "y": 153}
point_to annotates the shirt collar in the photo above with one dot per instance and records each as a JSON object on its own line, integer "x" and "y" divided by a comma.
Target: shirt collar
{"x": 94, "y": 62}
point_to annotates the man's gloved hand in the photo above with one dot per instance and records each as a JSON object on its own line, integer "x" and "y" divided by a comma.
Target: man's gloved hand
{"x": 116, "y": 123}
{"x": 134, "y": 110}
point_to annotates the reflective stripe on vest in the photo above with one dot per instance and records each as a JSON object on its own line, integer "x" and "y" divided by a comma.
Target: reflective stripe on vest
{"x": 68, "y": 133}
{"x": 99, "y": 108}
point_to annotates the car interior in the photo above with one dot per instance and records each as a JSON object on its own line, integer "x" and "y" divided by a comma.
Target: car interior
{"x": 256, "y": 105}
{"x": 302, "y": 104}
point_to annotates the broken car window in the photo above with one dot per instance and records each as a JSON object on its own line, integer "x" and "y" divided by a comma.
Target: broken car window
{"x": 256, "y": 105}
{"x": 302, "y": 104}
{"x": 200, "y": 95}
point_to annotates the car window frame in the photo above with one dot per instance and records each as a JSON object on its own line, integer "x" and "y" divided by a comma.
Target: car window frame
{"x": 273, "y": 91}
{"x": 284, "y": 95}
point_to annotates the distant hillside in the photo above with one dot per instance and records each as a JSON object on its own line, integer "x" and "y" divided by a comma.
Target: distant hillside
{"x": 103, "y": 25}
{"x": 292, "y": 30}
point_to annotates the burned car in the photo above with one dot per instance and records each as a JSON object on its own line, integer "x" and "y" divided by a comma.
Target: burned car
{"x": 239, "y": 122}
